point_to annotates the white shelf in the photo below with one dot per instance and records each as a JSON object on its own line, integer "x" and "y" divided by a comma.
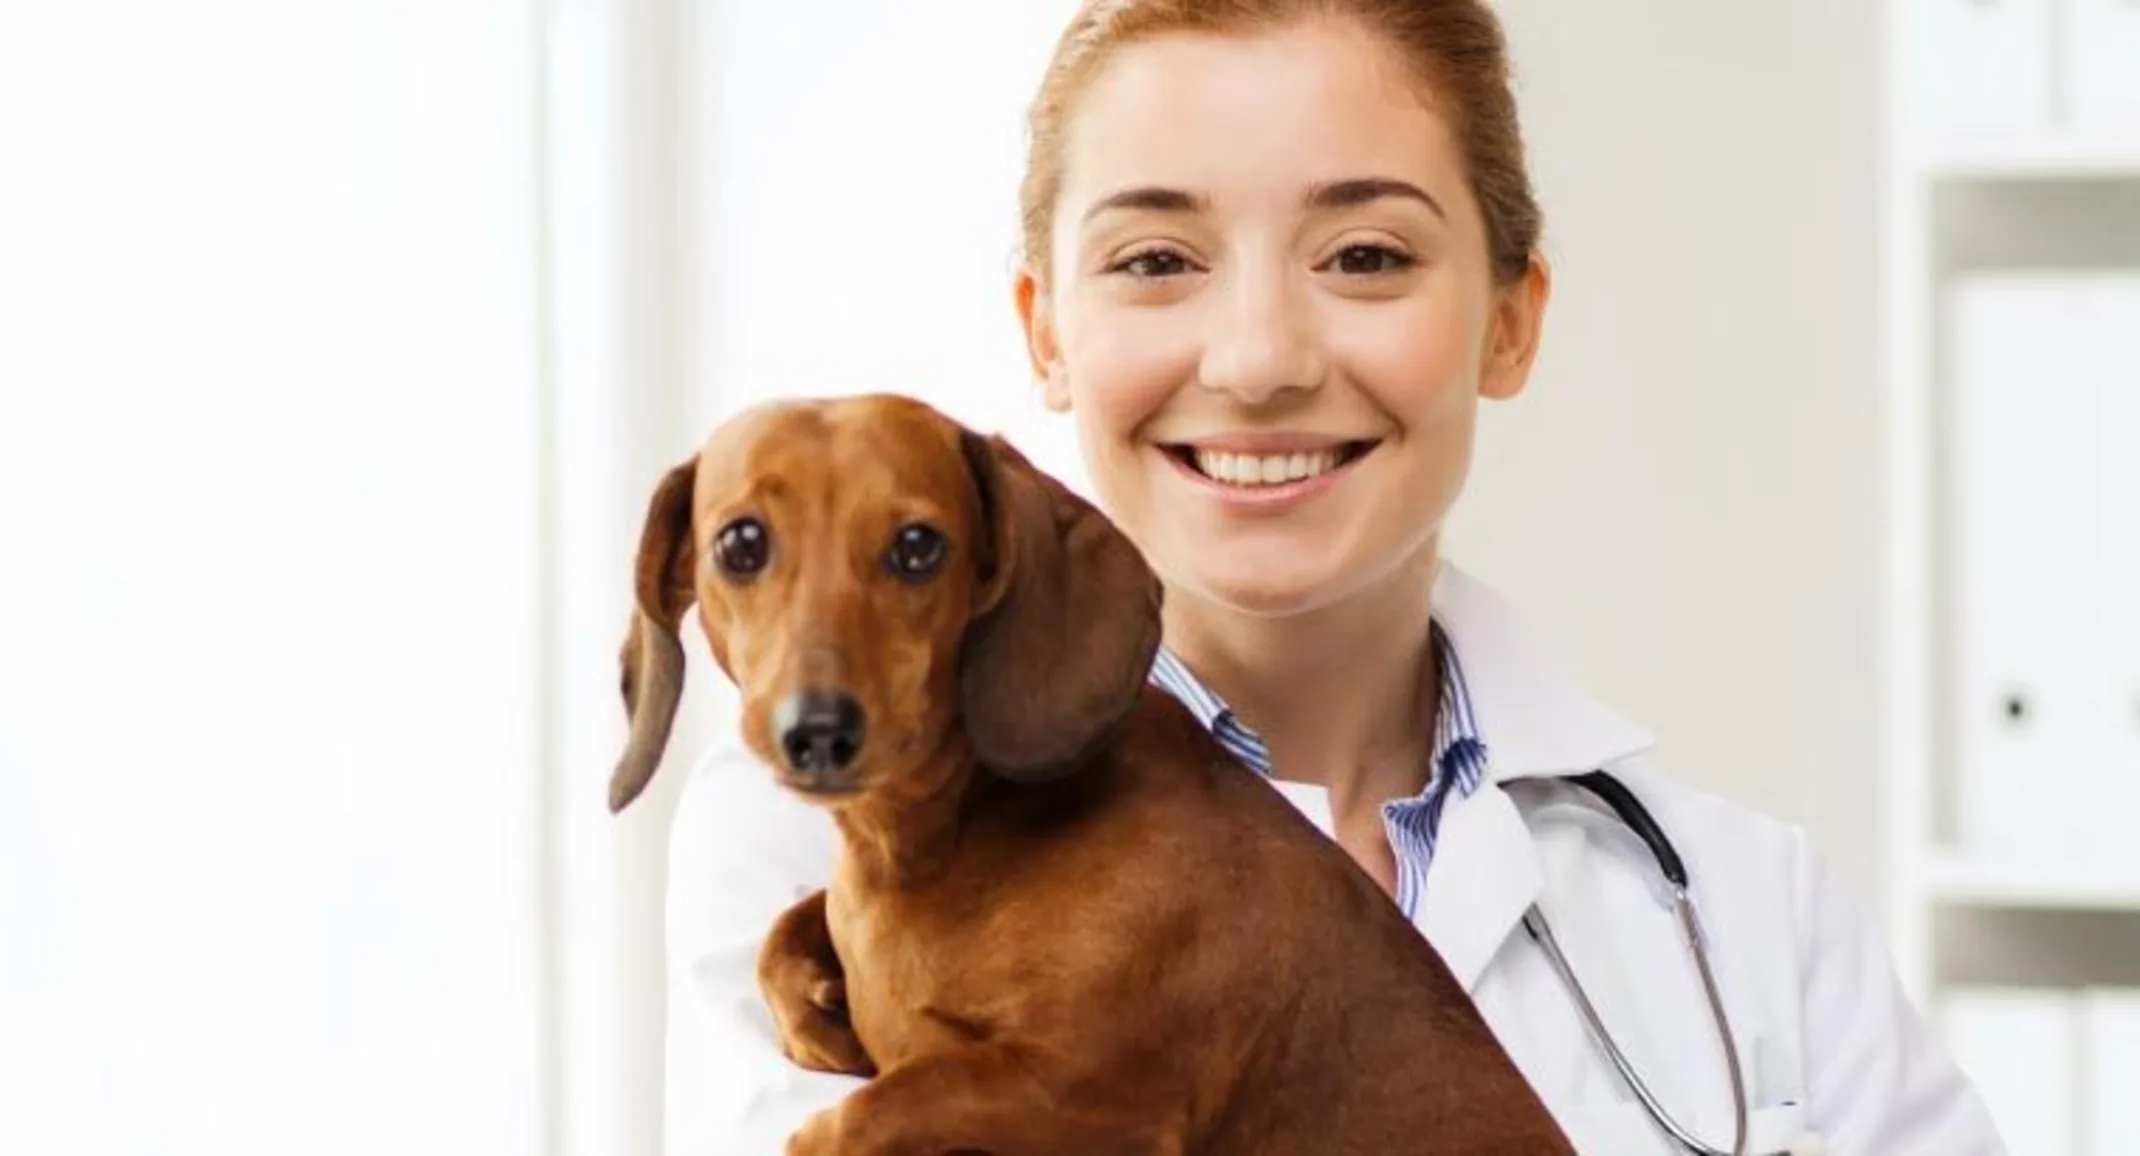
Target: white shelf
{"x": 2052, "y": 198}
{"x": 2059, "y": 197}
{"x": 2050, "y": 157}
{"x": 1955, "y": 879}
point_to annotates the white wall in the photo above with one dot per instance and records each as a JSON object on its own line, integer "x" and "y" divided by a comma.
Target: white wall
{"x": 854, "y": 218}
{"x": 1687, "y": 499}
{"x": 609, "y": 241}
{"x": 269, "y": 767}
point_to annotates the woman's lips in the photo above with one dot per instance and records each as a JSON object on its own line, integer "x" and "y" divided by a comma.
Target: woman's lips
{"x": 1266, "y": 481}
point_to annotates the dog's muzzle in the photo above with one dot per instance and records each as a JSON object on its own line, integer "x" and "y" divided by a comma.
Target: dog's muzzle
{"x": 820, "y": 734}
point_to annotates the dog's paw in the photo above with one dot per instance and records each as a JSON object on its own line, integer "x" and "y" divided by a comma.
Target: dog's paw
{"x": 816, "y": 1033}
{"x": 809, "y": 1004}
{"x": 823, "y": 1041}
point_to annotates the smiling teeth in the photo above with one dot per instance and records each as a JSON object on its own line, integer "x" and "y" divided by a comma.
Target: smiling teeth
{"x": 1264, "y": 470}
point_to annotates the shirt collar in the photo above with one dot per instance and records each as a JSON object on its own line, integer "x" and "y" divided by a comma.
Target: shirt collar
{"x": 1459, "y": 755}
{"x": 1172, "y": 676}
{"x": 1505, "y": 684}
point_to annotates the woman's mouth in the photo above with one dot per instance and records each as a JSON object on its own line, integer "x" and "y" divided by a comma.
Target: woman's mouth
{"x": 1258, "y": 470}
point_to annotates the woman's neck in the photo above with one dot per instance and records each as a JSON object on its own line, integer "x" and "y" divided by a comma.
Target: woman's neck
{"x": 1343, "y": 696}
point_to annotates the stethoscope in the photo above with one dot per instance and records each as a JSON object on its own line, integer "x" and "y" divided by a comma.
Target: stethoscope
{"x": 1637, "y": 818}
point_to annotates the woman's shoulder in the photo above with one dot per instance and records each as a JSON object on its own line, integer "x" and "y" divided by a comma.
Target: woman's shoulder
{"x": 731, "y": 811}
{"x": 741, "y": 849}
{"x": 1706, "y": 814}
{"x": 1734, "y": 851}
{"x": 1741, "y": 855}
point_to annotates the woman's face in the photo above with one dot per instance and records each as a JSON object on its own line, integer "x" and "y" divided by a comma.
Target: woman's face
{"x": 1272, "y": 313}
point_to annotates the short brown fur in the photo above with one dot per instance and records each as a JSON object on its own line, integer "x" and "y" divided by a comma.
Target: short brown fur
{"x": 1063, "y": 921}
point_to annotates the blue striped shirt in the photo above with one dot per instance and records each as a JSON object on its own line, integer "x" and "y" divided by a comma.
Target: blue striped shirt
{"x": 1455, "y": 768}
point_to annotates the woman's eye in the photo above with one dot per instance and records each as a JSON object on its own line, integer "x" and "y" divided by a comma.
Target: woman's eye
{"x": 1366, "y": 260}
{"x": 1154, "y": 263}
{"x": 917, "y": 552}
{"x": 742, "y": 548}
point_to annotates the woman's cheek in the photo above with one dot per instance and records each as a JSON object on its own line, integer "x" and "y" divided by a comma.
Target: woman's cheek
{"x": 1411, "y": 364}
{"x": 1125, "y": 372}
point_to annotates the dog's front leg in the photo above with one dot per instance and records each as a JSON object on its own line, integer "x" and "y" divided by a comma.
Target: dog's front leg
{"x": 806, "y": 987}
{"x": 989, "y": 1098}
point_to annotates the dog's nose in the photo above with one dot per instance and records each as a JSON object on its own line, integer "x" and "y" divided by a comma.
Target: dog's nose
{"x": 819, "y": 733}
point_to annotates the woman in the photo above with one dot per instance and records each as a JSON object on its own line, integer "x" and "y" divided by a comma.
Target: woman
{"x": 1276, "y": 253}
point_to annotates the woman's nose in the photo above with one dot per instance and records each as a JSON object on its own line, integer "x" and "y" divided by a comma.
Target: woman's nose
{"x": 1261, "y": 343}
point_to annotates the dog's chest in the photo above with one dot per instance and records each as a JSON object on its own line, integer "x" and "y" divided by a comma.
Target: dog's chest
{"x": 916, "y": 970}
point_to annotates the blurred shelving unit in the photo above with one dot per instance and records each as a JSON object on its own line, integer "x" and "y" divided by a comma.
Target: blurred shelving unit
{"x": 2051, "y": 158}
{"x": 2012, "y": 649}
{"x": 1958, "y": 880}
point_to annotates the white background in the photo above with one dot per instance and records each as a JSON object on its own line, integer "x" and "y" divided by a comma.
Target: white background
{"x": 268, "y": 879}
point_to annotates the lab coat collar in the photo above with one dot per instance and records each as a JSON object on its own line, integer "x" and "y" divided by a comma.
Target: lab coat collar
{"x": 1536, "y": 722}
{"x": 1534, "y": 719}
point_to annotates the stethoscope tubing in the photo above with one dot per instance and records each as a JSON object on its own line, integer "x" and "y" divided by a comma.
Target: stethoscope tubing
{"x": 1637, "y": 818}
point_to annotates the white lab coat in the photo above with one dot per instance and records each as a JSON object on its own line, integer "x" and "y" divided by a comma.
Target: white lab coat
{"x": 1828, "y": 1043}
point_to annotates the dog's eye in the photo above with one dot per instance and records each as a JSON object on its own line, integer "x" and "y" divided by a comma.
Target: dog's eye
{"x": 917, "y": 552}
{"x": 741, "y": 548}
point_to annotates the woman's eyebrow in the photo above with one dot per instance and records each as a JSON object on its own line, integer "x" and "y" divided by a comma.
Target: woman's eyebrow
{"x": 1343, "y": 194}
{"x": 1358, "y": 191}
{"x": 1151, "y": 198}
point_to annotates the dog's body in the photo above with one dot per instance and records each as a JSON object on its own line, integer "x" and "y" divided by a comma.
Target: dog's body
{"x": 1064, "y": 920}
{"x": 1167, "y": 932}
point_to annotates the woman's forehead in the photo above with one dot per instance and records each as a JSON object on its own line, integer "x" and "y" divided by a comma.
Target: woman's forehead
{"x": 1237, "y": 114}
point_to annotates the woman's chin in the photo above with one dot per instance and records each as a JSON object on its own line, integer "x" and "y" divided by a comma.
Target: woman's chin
{"x": 1289, "y": 578}
{"x": 1282, "y": 588}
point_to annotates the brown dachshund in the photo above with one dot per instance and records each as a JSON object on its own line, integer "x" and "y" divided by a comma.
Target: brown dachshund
{"x": 1063, "y": 921}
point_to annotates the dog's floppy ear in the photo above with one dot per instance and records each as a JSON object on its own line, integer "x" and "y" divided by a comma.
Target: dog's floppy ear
{"x": 1066, "y": 623}
{"x": 653, "y": 655}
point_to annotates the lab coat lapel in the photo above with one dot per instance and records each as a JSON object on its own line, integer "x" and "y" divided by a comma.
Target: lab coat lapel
{"x": 1484, "y": 876}
{"x": 1486, "y": 872}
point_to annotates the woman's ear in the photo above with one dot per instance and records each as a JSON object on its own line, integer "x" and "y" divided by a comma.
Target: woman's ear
{"x": 1043, "y": 343}
{"x": 1514, "y": 334}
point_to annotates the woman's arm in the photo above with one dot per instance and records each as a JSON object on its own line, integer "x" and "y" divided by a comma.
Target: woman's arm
{"x": 740, "y": 854}
{"x": 1879, "y": 1080}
